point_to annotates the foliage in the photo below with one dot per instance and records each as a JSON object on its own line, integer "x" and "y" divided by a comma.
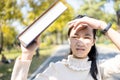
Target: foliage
{"x": 92, "y": 8}
{"x": 9, "y": 12}
{"x": 9, "y": 35}
{"x": 117, "y": 5}
{"x": 95, "y": 8}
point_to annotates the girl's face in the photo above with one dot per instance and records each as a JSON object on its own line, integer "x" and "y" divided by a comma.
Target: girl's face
{"x": 81, "y": 41}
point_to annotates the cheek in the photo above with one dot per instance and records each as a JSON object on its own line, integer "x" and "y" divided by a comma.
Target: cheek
{"x": 72, "y": 43}
{"x": 85, "y": 42}
{"x": 88, "y": 42}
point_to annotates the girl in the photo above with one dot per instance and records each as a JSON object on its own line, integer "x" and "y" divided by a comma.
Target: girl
{"x": 81, "y": 63}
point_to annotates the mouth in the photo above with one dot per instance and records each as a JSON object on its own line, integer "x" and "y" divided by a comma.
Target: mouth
{"x": 80, "y": 49}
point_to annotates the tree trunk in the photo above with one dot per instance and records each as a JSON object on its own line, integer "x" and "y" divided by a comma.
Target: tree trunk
{"x": 56, "y": 35}
{"x": 1, "y": 40}
{"x": 62, "y": 37}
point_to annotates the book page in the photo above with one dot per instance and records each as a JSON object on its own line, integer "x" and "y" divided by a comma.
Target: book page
{"x": 41, "y": 24}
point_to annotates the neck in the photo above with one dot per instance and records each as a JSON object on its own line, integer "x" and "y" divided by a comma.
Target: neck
{"x": 79, "y": 57}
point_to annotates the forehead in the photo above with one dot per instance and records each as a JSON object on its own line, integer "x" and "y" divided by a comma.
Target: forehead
{"x": 82, "y": 29}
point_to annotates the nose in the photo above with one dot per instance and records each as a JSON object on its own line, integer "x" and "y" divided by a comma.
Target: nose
{"x": 80, "y": 42}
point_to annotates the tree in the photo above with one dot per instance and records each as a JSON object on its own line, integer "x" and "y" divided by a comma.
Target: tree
{"x": 92, "y": 8}
{"x": 1, "y": 40}
{"x": 117, "y": 9}
{"x": 9, "y": 13}
{"x": 9, "y": 36}
{"x": 96, "y": 9}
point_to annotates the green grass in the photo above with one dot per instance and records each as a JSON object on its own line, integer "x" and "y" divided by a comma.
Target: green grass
{"x": 6, "y": 69}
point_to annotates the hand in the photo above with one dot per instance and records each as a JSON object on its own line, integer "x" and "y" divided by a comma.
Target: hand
{"x": 94, "y": 23}
{"x": 27, "y": 53}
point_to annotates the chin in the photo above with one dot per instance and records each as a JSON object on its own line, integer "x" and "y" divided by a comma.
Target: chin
{"x": 79, "y": 56}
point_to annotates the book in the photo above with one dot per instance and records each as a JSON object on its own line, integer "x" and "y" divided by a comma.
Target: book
{"x": 28, "y": 36}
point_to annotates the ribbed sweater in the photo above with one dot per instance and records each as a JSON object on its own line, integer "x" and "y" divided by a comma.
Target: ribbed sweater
{"x": 70, "y": 69}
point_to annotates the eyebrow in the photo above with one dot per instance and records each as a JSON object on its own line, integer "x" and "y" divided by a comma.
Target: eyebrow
{"x": 81, "y": 28}
{"x": 88, "y": 34}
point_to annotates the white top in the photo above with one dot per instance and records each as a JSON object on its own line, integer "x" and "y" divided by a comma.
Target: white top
{"x": 70, "y": 69}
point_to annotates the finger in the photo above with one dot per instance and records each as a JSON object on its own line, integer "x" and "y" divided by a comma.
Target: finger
{"x": 72, "y": 21}
{"x": 71, "y": 25}
{"x": 81, "y": 27}
{"x": 37, "y": 41}
{"x": 79, "y": 22}
{"x": 83, "y": 20}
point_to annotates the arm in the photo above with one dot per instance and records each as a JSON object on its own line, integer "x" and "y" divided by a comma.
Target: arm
{"x": 113, "y": 35}
{"x": 22, "y": 64}
{"x": 20, "y": 70}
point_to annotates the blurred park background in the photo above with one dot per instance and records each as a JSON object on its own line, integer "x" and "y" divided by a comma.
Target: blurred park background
{"x": 16, "y": 15}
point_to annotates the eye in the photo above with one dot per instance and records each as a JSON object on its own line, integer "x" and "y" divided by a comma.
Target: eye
{"x": 87, "y": 37}
{"x": 74, "y": 36}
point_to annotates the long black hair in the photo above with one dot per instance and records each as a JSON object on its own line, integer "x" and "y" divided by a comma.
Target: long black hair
{"x": 92, "y": 54}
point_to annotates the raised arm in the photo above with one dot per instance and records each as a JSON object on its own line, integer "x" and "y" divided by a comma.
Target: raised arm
{"x": 113, "y": 35}
{"x": 22, "y": 64}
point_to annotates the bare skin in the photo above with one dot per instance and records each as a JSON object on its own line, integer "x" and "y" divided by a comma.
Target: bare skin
{"x": 81, "y": 40}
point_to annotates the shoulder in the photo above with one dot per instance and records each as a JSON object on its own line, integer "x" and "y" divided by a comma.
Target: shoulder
{"x": 113, "y": 61}
{"x": 54, "y": 67}
{"x": 110, "y": 67}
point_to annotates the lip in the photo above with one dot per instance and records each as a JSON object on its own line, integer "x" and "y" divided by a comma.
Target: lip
{"x": 80, "y": 49}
